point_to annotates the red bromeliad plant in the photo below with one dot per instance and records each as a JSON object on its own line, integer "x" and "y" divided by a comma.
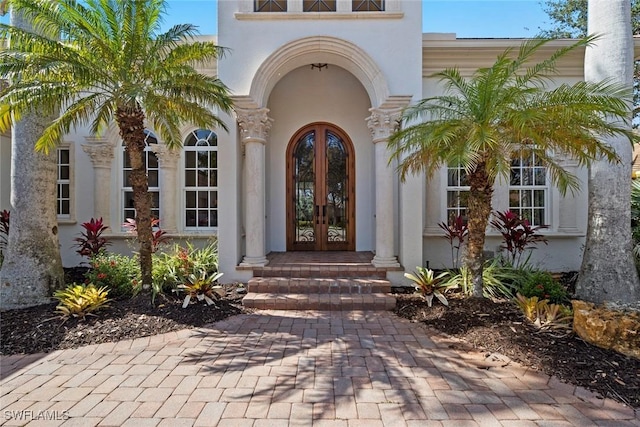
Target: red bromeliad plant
{"x": 517, "y": 234}
{"x": 456, "y": 233}
{"x": 158, "y": 236}
{"x": 92, "y": 242}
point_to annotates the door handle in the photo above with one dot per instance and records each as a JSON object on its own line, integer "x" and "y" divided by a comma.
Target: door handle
{"x": 324, "y": 213}
{"x": 317, "y": 214}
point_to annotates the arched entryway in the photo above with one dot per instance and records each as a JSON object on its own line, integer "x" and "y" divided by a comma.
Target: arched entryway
{"x": 320, "y": 190}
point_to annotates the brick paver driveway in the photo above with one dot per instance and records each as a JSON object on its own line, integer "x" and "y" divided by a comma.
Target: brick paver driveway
{"x": 284, "y": 368}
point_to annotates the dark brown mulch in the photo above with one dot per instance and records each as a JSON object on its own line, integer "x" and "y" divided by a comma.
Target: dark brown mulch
{"x": 499, "y": 327}
{"x": 39, "y": 329}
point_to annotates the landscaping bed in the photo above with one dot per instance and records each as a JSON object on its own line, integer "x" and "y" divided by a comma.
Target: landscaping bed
{"x": 500, "y": 327}
{"x": 494, "y": 327}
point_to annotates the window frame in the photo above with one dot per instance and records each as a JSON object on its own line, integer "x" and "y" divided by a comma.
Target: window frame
{"x": 357, "y": 4}
{"x": 125, "y": 188}
{"x": 186, "y": 148}
{"x": 534, "y": 165}
{"x": 457, "y": 188}
{"x": 269, "y": 6}
{"x": 69, "y": 217}
{"x": 308, "y": 6}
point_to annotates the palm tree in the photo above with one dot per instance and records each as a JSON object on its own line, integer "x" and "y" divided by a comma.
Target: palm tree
{"x": 500, "y": 113}
{"x": 608, "y": 273}
{"x": 99, "y": 61}
{"x": 32, "y": 268}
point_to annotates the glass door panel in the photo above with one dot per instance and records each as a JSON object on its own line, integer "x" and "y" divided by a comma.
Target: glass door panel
{"x": 304, "y": 191}
{"x": 320, "y": 190}
{"x": 335, "y": 205}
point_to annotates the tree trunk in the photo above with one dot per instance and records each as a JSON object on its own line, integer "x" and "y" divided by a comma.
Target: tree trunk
{"x": 479, "y": 210}
{"x": 131, "y": 125}
{"x": 32, "y": 268}
{"x": 608, "y": 273}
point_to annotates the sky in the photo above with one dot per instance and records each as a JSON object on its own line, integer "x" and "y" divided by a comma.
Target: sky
{"x": 466, "y": 18}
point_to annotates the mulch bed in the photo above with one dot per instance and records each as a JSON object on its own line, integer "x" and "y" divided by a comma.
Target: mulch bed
{"x": 39, "y": 329}
{"x": 494, "y": 327}
{"x": 499, "y": 327}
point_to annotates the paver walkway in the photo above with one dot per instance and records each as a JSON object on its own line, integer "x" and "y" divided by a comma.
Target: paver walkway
{"x": 292, "y": 368}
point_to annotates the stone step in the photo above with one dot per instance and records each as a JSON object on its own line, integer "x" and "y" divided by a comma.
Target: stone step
{"x": 321, "y": 271}
{"x": 329, "y": 302}
{"x": 303, "y": 285}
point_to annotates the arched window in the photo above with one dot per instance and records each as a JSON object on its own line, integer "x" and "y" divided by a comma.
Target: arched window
{"x": 201, "y": 180}
{"x": 151, "y": 164}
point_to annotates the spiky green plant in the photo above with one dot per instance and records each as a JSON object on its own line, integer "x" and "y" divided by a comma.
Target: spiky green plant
{"x": 429, "y": 285}
{"x": 80, "y": 300}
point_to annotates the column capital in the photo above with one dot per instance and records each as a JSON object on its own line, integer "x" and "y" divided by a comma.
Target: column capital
{"x": 100, "y": 152}
{"x": 254, "y": 124}
{"x": 167, "y": 157}
{"x": 383, "y": 122}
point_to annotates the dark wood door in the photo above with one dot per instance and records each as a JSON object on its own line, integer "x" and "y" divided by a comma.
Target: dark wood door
{"x": 320, "y": 190}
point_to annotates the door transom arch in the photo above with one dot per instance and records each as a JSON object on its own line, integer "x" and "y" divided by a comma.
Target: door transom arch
{"x": 320, "y": 189}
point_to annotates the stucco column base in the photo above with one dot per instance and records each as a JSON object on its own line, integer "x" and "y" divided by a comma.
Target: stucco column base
{"x": 254, "y": 262}
{"x": 379, "y": 261}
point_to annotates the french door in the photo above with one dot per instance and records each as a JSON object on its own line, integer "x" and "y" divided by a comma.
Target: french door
{"x": 320, "y": 190}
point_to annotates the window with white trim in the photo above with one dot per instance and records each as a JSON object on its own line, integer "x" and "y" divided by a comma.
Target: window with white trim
{"x": 319, "y": 5}
{"x": 367, "y": 5}
{"x": 270, "y": 5}
{"x": 201, "y": 180}
{"x": 529, "y": 188}
{"x": 63, "y": 183}
{"x": 153, "y": 175}
{"x": 457, "y": 192}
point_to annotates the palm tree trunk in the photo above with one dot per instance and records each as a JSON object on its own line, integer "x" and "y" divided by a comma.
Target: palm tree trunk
{"x": 131, "y": 125}
{"x": 608, "y": 273}
{"x": 479, "y": 210}
{"x": 32, "y": 268}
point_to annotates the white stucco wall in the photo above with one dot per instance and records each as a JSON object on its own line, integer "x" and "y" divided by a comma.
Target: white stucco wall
{"x": 566, "y": 217}
{"x": 394, "y": 44}
{"x": 391, "y": 42}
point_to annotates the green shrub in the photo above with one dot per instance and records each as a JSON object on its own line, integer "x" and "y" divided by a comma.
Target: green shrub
{"x": 498, "y": 280}
{"x": 80, "y": 300}
{"x": 429, "y": 285}
{"x": 172, "y": 268}
{"x": 118, "y": 273}
{"x": 542, "y": 285}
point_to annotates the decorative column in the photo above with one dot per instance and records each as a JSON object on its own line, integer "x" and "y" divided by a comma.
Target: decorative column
{"x": 168, "y": 162}
{"x": 382, "y": 123}
{"x": 101, "y": 154}
{"x": 254, "y": 129}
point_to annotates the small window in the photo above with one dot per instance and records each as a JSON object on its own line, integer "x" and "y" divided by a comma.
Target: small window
{"x": 270, "y": 5}
{"x": 367, "y": 5}
{"x": 63, "y": 183}
{"x": 319, "y": 5}
{"x": 153, "y": 175}
{"x": 201, "y": 180}
{"x": 529, "y": 188}
{"x": 457, "y": 193}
